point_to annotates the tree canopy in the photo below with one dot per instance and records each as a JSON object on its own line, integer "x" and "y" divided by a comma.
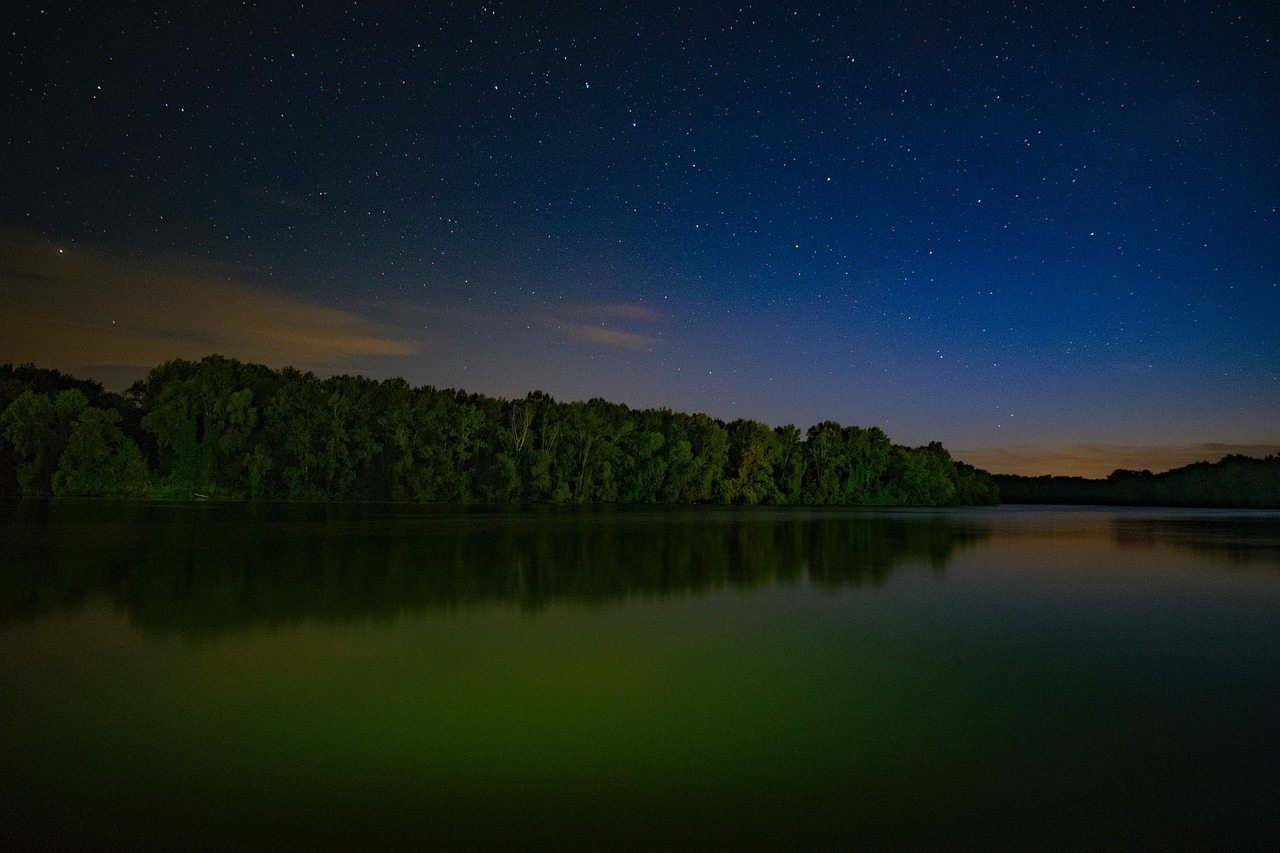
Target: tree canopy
{"x": 219, "y": 428}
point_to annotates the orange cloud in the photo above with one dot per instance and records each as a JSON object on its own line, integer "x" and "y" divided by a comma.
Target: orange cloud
{"x": 73, "y": 306}
{"x": 1099, "y": 460}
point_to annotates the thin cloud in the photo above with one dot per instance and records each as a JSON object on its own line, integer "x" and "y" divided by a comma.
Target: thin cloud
{"x": 73, "y": 306}
{"x": 1099, "y": 460}
{"x": 626, "y": 311}
{"x": 596, "y": 324}
{"x": 606, "y": 336}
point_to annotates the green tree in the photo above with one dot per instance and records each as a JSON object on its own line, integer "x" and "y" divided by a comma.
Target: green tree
{"x": 644, "y": 467}
{"x": 99, "y": 460}
{"x": 396, "y": 437}
{"x": 550, "y": 464}
{"x": 790, "y": 464}
{"x": 435, "y": 436}
{"x": 38, "y": 427}
{"x": 678, "y": 459}
{"x": 924, "y": 476}
{"x": 824, "y": 443}
{"x": 321, "y": 435}
{"x": 595, "y": 430}
{"x": 709, "y": 448}
{"x": 749, "y": 471}
{"x": 869, "y": 452}
{"x": 974, "y": 487}
{"x": 203, "y": 418}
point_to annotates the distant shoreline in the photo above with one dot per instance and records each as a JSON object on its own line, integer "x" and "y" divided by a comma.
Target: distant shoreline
{"x": 1233, "y": 482}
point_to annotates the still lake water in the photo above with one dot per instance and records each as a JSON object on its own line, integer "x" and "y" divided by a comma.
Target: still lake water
{"x": 312, "y": 676}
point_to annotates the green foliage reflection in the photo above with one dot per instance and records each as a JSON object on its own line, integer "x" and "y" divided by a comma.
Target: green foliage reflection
{"x": 200, "y": 569}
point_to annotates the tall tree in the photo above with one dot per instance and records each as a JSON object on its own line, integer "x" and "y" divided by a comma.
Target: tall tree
{"x": 790, "y": 464}
{"x": 644, "y": 467}
{"x": 709, "y": 444}
{"x": 828, "y": 460}
{"x": 203, "y": 417}
{"x": 99, "y": 460}
{"x": 322, "y": 432}
{"x": 749, "y": 472}
{"x": 38, "y": 427}
{"x": 595, "y": 430}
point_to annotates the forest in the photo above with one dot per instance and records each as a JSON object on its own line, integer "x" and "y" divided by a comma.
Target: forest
{"x": 1232, "y": 482}
{"x": 222, "y": 429}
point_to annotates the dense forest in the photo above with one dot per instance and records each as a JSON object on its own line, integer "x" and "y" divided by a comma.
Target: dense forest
{"x": 219, "y": 428}
{"x": 1234, "y": 481}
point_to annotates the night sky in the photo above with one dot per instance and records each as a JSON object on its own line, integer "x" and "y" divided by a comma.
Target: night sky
{"x": 1044, "y": 234}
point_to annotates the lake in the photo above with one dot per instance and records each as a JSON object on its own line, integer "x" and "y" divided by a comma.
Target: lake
{"x": 397, "y": 676}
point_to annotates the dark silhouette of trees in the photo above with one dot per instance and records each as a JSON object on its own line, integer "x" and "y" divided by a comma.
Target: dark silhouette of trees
{"x": 1233, "y": 481}
{"x": 853, "y": 466}
{"x": 63, "y": 446}
{"x": 753, "y": 451}
{"x": 99, "y": 460}
{"x": 38, "y": 427}
{"x": 219, "y": 428}
{"x": 225, "y": 429}
{"x": 34, "y": 435}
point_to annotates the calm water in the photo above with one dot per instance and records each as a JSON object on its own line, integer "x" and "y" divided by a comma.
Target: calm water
{"x": 397, "y": 676}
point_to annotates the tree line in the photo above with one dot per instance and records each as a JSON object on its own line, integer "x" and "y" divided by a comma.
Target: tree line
{"x": 220, "y": 428}
{"x": 1234, "y": 482}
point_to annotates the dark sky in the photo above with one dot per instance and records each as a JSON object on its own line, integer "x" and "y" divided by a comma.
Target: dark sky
{"x": 1045, "y": 234}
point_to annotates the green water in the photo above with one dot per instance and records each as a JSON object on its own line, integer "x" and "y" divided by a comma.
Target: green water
{"x": 320, "y": 677}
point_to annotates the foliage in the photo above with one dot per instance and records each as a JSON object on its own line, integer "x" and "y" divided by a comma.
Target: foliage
{"x": 63, "y": 446}
{"x": 99, "y": 460}
{"x": 224, "y": 429}
{"x": 38, "y": 427}
{"x": 38, "y": 469}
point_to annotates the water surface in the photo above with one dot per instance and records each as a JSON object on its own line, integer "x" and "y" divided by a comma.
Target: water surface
{"x": 293, "y": 676}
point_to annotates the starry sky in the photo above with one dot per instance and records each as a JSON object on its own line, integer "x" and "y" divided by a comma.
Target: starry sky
{"x": 1044, "y": 234}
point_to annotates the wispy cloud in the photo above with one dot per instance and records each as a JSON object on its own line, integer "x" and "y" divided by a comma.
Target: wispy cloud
{"x": 74, "y": 306}
{"x": 625, "y": 311}
{"x": 598, "y": 324}
{"x": 606, "y": 336}
{"x": 1099, "y": 460}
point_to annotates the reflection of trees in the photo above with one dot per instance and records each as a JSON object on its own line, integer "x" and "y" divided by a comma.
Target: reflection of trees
{"x": 47, "y": 564}
{"x": 198, "y": 569}
{"x": 1237, "y": 539}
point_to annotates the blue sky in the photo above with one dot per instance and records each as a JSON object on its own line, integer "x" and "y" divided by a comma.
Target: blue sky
{"x": 1043, "y": 234}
